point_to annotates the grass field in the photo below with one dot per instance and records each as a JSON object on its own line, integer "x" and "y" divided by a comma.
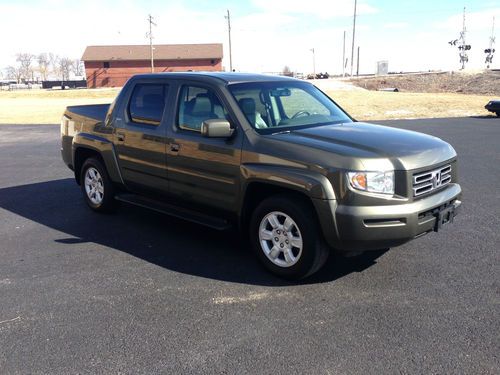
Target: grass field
{"x": 376, "y": 105}
{"x": 47, "y": 106}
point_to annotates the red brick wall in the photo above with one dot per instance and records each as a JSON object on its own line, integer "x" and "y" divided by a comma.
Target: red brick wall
{"x": 120, "y": 71}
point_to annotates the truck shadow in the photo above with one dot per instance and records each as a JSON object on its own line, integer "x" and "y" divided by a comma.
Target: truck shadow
{"x": 173, "y": 244}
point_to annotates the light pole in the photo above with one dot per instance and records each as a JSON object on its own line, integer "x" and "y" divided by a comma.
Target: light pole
{"x": 353, "y": 35}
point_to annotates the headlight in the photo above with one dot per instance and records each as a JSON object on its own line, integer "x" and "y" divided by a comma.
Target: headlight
{"x": 372, "y": 182}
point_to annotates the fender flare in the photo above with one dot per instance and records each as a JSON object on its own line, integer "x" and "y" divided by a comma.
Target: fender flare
{"x": 104, "y": 147}
{"x": 313, "y": 184}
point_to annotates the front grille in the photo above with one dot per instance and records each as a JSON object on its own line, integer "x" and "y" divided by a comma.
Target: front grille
{"x": 426, "y": 182}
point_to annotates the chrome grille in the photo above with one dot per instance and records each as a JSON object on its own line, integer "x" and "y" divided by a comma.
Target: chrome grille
{"x": 426, "y": 182}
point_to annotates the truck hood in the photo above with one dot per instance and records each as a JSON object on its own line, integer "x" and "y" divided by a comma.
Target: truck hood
{"x": 374, "y": 145}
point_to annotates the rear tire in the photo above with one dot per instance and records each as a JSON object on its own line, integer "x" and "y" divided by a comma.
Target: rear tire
{"x": 97, "y": 188}
{"x": 286, "y": 237}
{"x": 498, "y": 114}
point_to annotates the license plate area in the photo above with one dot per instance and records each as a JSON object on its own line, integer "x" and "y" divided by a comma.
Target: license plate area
{"x": 443, "y": 217}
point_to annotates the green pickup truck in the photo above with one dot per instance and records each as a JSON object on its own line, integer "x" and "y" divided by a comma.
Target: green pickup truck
{"x": 272, "y": 157}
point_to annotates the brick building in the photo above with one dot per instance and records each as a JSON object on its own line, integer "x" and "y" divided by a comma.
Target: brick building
{"x": 111, "y": 66}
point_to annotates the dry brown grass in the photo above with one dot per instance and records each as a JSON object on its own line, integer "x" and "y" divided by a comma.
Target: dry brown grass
{"x": 376, "y": 105}
{"x": 47, "y": 106}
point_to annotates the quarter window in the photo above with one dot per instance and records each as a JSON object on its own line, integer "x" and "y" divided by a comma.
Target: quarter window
{"x": 147, "y": 103}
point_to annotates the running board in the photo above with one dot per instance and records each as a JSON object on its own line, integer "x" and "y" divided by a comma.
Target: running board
{"x": 175, "y": 211}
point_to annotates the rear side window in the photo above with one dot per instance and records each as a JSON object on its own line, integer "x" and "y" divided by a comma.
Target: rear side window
{"x": 147, "y": 103}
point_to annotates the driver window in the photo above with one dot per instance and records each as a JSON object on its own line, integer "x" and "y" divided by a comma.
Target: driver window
{"x": 197, "y": 104}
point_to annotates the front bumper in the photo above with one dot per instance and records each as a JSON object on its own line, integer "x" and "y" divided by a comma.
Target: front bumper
{"x": 377, "y": 227}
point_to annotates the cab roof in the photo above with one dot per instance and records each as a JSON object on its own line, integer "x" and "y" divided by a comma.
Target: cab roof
{"x": 226, "y": 77}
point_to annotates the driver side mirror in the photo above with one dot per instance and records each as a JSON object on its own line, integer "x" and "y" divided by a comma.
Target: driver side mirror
{"x": 216, "y": 128}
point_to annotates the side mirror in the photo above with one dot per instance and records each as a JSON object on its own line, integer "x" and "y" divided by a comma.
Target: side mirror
{"x": 216, "y": 128}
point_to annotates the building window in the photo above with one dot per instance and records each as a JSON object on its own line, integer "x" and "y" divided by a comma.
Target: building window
{"x": 105, "y": 64}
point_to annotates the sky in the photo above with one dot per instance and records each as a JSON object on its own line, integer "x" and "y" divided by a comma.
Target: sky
{"x": 266, "y": 34}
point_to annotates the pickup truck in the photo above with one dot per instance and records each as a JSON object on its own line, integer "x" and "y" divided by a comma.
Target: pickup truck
{"x": 272, "y": 157}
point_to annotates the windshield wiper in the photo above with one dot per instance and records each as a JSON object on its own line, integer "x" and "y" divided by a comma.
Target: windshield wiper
{"x": 281, "y": 132}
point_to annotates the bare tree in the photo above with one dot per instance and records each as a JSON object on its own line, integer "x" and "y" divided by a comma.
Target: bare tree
{"x": 65, "y": 67}
{"x": 54, "y": 64}
{"x": 78, "y": 67}
{"x": 43, "y": 65}
{"x": 14, "y": 72}
{"x": 287, "y": 71}
{"x": 25, "y": 61}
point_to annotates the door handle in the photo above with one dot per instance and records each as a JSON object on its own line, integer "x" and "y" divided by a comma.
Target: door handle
{"x": 175, "y": 147}
{"x": 120, "y": 137}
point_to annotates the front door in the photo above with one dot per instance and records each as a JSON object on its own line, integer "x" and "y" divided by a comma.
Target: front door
{"x": 203, "y": 170}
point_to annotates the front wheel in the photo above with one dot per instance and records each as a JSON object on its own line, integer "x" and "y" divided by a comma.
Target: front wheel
{"x": 96, "y": 185}
{"x": 285, "y": 236}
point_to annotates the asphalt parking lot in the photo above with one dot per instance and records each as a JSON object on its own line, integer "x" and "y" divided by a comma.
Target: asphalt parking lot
{"x": 137, "y": 292}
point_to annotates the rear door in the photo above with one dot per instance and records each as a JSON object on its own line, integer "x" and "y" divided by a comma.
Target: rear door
{"x": 203, "y": 170}
{"x": 140, "y": 136}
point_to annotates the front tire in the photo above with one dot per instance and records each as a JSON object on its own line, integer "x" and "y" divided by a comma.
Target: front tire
{"x": 97, "y": 188}
{"x": 285, "y": 236}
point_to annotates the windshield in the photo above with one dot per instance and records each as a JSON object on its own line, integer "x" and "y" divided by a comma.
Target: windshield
{"x": 279, "y": 106}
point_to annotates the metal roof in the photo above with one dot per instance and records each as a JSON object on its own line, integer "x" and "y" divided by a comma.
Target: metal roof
{"x": 161, "y": 52}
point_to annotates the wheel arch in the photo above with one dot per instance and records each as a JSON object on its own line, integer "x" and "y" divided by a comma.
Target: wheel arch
{"x": 80, "y": 155}
{"x": 89, "y": 145}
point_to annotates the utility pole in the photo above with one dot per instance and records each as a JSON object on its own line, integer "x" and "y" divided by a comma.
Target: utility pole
{"x": 463, "y": 47}
{"x": 357, "y": 63}
{"x": 314, "y": 62}
{"x": 343, "y": 57}
{"x": 463, "y": 54}
{"x": 228, "y": 17}
{"x": 353, "y": 35}
{"x": 150, "y": 36}
{"x": 491, "y": 50}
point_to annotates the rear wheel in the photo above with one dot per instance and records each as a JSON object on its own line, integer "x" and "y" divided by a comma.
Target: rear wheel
{"x": 286, "y": 238}
{"x": 96, "y": 185}
{"x": 498, "y": 114}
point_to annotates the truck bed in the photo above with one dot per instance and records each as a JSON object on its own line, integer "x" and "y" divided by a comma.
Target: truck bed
{"x": 91, "y": 111}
